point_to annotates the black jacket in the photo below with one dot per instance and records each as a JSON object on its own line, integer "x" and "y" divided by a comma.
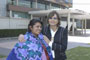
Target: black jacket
{"x": 60, "y": 38}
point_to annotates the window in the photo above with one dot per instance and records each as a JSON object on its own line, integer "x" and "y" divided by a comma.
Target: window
{"x": 68, "y": 1}
{"x": 33, "y": 4}
{"x": 20, "y": 15}
{"x": 24, "y": 3}
{"x": 41, "y": 6}
{"x": 13, "y": 2}
{"x": 55, "y": 6}
{"x": 47, "y": 6}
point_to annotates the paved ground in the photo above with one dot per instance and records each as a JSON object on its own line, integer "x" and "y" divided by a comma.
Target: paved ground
{"x": 6, "y": 45}
{"x": 2, "y": 58}
{"x": 75, "y": 41}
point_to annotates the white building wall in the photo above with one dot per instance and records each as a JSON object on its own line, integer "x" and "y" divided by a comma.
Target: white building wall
{"x": 7, "y": 23}
{"x": 18, "y": 23}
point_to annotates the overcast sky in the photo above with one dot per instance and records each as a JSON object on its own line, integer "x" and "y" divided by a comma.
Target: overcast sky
{"x": 82, "y": 5}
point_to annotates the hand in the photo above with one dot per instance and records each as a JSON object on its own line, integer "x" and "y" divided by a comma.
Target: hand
{"x": 46, "y": 39}
{"x": 50, "y": 44}
{"x": 21, "y": 38}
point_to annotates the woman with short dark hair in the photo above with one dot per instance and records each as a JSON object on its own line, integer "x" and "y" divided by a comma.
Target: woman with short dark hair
{"x": 57, "y": 36}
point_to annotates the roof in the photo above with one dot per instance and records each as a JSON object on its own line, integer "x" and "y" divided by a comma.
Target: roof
{"x": 78, "y": 14}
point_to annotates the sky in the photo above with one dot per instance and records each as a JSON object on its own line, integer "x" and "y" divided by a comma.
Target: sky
{"x": 82, "y": 5}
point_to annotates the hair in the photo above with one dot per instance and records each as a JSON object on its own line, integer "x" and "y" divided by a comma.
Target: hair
{"x": 51, "y": 14}
{"x": 32, "y": 22}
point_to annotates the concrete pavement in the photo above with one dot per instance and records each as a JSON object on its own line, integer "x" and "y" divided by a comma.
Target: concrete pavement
{"x": 75, "y": 41}
{"x": 6, "y": 44}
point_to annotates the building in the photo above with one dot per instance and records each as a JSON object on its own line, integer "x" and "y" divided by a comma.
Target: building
{"x": 20, "y": 8}
{"x": 14, "y": 14}
{"x": 3, "y": 8}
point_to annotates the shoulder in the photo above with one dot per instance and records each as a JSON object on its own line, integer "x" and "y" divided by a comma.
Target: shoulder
{"x": 45, "y": 27}
{"x": 64, "y": 31}
{"x": 61, "y": 28}
{"x": 27, "y": 35}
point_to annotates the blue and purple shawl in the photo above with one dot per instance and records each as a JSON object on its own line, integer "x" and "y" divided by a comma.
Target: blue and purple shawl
{"x": 31, "y": 49}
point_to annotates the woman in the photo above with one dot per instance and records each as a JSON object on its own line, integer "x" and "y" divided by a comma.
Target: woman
{"x": 57, "y": 36}
{"x": 34, "y": 47}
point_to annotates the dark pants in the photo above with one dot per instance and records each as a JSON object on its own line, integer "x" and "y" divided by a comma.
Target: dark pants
{"x": 60, "y": 56}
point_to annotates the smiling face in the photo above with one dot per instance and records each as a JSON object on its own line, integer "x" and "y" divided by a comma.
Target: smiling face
{"x": 36, "y": 28}
{"x": 53, "y": 20}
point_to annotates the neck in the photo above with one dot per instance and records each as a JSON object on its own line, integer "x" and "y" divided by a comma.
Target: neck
{"x": 54, "y": 27}
{"x": 35, "y": 35}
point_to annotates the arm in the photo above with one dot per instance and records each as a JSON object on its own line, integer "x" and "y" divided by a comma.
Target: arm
{"x": 64, "y": 40}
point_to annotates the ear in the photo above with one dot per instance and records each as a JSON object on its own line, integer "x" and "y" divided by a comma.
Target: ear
{"x": 30, "y": 27}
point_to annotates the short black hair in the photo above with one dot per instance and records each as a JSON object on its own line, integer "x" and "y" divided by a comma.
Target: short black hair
{"x": 32, "y": 22}
{"x": 51, "y": 14}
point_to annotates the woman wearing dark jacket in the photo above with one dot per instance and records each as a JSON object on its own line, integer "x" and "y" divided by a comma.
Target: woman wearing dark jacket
{"x": 57, "y": 36}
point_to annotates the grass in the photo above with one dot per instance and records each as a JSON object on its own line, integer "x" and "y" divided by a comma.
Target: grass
{"x": 2, "y": 56}
{"x": 78, "y": 53}
{"x": 88, "y": 43}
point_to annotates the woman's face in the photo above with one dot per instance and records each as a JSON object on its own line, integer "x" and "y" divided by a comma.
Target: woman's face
{"x": 36, "y": 29}
{"x": 53, "y": 20}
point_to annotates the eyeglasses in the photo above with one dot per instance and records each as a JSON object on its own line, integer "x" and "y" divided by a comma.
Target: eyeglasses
{"x": 53, "y": 18}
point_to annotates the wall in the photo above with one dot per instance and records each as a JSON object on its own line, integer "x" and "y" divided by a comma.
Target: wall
{"x": 12, "y": 23}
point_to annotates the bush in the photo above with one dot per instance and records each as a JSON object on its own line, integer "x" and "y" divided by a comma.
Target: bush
{"x": 12, "y": 32}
